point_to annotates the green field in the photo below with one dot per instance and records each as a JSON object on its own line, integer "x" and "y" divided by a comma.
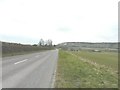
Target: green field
{"x": 75, "y": 70}
{"x": 109, "y": 59}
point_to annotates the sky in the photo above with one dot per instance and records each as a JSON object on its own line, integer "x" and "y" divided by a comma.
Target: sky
{"x": 27, "y": 21}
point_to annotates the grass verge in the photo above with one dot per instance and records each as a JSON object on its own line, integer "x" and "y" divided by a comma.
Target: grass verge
{"x": 74, "y": 73}
{"x": 20, "y": 53}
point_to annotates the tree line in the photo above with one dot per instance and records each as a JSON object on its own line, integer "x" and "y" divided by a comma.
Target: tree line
{"x": 45, "y": 43}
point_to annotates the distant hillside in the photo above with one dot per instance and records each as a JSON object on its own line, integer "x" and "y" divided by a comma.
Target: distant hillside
{"x": 87, "y": 45}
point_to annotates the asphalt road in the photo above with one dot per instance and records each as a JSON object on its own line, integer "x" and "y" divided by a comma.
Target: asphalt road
{"x": 29, "y": 71}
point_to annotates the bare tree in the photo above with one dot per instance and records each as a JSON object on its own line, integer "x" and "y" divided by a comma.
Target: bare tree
{"x": 45, "y": 43}
{"x": 49, "y": 42}
{"x": 41, "y": 42}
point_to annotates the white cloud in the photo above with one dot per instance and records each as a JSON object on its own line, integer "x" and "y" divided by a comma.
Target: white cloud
{"x": 85, "y": 20}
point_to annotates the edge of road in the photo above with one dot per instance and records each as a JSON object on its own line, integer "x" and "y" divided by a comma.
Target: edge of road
{"x": 53, "y": 79}
{"x": 54, "y": 74}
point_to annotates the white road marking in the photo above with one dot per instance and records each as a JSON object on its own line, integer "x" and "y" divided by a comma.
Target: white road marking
{"x": 21, "y": 61}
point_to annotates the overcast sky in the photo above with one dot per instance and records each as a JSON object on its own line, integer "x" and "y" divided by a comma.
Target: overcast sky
{"x": 27, "y": 21}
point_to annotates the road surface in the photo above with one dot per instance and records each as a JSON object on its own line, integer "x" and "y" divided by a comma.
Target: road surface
{"x": 29, "y": 71}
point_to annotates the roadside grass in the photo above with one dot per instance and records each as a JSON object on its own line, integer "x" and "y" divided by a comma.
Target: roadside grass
{"x": 20, "y": 53}
{"x": 109, "y": 59}
{"x": 74, "y": 73}
{"x": 16, "y": 53}
{"x": 11, "y": 49}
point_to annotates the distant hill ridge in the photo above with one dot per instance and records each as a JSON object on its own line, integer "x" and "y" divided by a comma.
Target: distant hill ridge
{"x": 80, "y": 45}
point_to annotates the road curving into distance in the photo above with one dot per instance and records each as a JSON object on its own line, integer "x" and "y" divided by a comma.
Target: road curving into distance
{"x": 29, "y": 71}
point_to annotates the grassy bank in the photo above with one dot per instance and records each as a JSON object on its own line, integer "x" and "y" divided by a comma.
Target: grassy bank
{"x": 11, "y": 49}
{"x": 75, "y": 73}
{"x": 19, "y": 53}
